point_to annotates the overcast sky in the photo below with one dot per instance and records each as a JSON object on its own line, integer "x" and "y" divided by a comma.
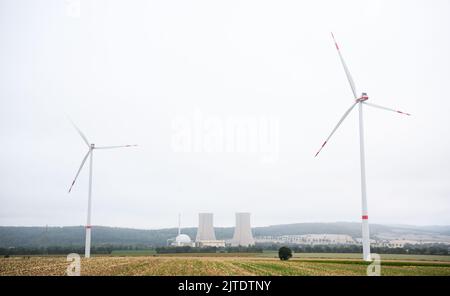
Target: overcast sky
{"x": 173, "y": 77}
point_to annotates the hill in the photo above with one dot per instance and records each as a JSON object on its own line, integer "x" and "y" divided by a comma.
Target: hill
{"x": 12, "y": 236}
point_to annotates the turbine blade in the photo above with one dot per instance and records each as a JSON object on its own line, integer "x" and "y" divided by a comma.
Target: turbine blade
{"x": 112, "y": 147}
{"x": 347, "y": 72}
{"x": 386, "y": 108}
{"x": 79, "y": 170}
{"x": 336, "y": 127}
{"x": 81, "y": 133}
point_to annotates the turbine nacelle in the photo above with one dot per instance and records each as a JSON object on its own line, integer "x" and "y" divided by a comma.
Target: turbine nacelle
{"x": 90, "y": 151}
{"x": 364, "y": 97}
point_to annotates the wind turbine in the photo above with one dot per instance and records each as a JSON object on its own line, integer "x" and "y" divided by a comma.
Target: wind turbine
{"x": 90, "y": 153}
{"x": 360, "y": 101}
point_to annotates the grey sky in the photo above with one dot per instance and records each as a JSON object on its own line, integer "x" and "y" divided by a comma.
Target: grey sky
{"x": 125, "y": 71}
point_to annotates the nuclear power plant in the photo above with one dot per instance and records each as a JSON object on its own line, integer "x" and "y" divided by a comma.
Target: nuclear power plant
{"x": 205, "y": 232}
{"x": 206, "y": 236}
{"x": 242, "y": 231}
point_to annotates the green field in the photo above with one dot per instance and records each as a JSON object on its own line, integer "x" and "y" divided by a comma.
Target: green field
{"x": 274, "y": 254}
{"x": 383, "y": 256}
{"x": 225, "y": 264}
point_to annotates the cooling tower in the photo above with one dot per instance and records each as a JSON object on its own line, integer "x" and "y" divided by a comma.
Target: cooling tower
{"x": 205, "y": 230}
{"x": 242, "y": 232}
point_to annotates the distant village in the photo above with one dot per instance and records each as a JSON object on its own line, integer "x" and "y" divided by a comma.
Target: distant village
{"x": 243, "y": 237}
{"x": 342, "y": 239}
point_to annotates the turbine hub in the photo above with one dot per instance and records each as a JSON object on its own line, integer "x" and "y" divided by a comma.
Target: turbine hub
{"x": 92, "y": 146}
{"x": 364, "y": 97}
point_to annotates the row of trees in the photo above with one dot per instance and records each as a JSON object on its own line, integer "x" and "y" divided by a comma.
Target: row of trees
{"x": 107, "y": 249}
{"x": 427, "y": 249}
{"x": 187, "y": 249}
{"x": 64, "y": 250}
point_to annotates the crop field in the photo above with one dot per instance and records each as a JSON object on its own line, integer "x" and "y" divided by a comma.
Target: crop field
{"x": 405, "y": 257}
{"x": 215, "y": 265}
{"x": 274, "y": 254}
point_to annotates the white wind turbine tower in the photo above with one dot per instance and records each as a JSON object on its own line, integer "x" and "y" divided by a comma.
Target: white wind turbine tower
{"x": 360, "y": 101}
{"x": 87, "y": 250}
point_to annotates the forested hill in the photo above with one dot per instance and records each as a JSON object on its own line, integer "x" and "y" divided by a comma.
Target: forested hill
{"x": 74, "y": 235}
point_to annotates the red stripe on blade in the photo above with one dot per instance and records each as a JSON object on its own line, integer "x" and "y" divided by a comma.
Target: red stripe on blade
{"x": 365, "y": 217}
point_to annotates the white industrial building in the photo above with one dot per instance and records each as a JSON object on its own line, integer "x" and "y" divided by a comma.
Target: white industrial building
{"x": 242, "y": 232}
{"x": 182, "y": 240}
{"x": 205, "y": 229}
{"x": 205, "y": 232}
{"x": 210, "y": 243}
{"x": 309, "y": 239}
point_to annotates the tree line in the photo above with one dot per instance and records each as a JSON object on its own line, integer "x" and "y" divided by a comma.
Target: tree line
{"x": 425, "y": 249}
{"x": 187, "y": 249}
